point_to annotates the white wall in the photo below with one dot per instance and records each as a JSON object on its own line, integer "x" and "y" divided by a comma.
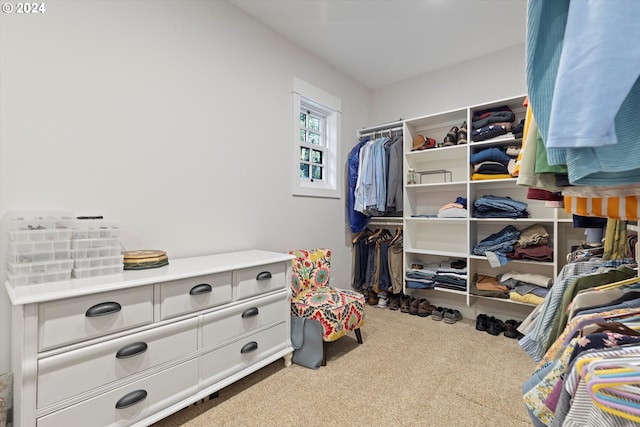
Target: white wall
{"x": 173, "y": 117}
{"x": 481, "y": 80}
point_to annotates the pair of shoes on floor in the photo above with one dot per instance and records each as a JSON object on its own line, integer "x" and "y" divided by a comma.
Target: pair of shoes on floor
{"x": 449, "y": 315}
{"x": 456, "y": 136}
{"x": 496, "y": 326}
{"x": 420, "y": 306}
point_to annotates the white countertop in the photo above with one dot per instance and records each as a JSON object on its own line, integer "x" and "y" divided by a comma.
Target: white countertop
{"x": 179, "y": 268}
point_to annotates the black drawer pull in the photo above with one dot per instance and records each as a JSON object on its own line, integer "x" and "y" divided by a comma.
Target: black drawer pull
{"x": 265, "y": 275}
{"x": 131, "y": 399}
{"x": 203, "y": 288}
{"x": 249, "y": 347}
{"x": 103, "y": 309}
{"x": 250, "y": 312}
{"x": 131, "y": 350}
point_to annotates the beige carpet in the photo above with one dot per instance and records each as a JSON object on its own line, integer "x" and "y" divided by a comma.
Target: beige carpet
{"x": 410, "y": 371}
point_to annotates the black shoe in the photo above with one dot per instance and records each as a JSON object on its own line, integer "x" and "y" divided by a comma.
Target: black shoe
{"x": 496, "y": 326}
{"x": 510, "y": 329}
{"x": 482, "y": 322}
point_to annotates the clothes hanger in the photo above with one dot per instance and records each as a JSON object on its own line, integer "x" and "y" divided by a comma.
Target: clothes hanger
{"x": 360, "y": 235}
{"x": 375, "y": 234}
{"x": 612, "y": 394}
{"x": 617, "y": 284}
{"x": 397, "y": 236}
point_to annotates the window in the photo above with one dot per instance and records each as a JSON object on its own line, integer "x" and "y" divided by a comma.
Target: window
{"x": 316, "y": 130}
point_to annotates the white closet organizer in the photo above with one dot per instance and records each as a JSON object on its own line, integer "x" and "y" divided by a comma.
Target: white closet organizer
{"x": 132, "y": 348}
{"x": 448, "y": 175}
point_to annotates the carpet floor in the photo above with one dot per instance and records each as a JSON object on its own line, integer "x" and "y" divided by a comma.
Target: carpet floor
{"x": 410, "y": 371}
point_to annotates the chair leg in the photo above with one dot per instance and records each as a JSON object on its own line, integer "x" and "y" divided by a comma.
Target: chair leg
{"x": 358, "y": 335}
{"x": 324, "y": 353}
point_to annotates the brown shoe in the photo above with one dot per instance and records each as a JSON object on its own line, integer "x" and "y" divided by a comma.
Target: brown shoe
{"x": 425, "y": 308}
{"x": 404, "y": 303}
{"x": 373, "y": 298}
{"x": 395, "y": 302}
{"x": 413, "y": 306}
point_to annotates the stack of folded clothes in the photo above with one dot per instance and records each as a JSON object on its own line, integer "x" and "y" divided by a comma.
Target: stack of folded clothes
{"x": 533, "y": 245}
{"x": 530, "y": 288}
{"x": 499, "y": 207}
{"x": 450, "y": 274}
{"x": 494, "y": 162}
{"x": 492, "y": 123}
{"x": 420, "y": 276}
{"x": 457, "y": 209}
{"x": 488, "y": 286}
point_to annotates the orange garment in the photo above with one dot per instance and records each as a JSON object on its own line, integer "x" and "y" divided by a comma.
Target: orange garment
{"x": 623, "y": 208}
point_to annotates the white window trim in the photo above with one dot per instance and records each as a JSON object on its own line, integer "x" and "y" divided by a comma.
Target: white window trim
{"x": 330, "y": 187}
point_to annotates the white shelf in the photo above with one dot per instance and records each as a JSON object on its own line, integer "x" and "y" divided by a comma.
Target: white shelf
{"x": 432, "y": 239}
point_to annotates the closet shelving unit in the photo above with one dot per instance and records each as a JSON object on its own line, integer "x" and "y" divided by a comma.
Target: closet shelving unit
{"x": 432, "y": 239}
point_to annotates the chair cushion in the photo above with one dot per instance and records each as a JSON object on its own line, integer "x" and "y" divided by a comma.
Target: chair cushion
{"x": 310, "y": 269}
{"x": 339, "y": 310}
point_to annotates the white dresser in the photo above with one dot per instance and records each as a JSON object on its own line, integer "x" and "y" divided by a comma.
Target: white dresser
{"x": 132, "y": 348}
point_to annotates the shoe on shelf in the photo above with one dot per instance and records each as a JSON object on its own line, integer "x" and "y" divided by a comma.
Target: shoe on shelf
{"x": 482, "y": 322}
{"x": 452, "y": 316}
{"x": 425, "y": 308}
{"x": 438, "y": 313}
{"x": 394, "y": 303}
{"x": 451, "y": 138}
{"x": 461, "y": 135}
{"x": 496, "y": 326}
{"x": 405, "y": 300}
{"x": 413, "y": 305}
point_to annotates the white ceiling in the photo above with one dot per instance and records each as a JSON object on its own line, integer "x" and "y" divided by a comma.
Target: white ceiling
{"x": 380, "y": 42}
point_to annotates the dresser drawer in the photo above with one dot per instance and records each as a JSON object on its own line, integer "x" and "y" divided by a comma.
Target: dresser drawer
{"x": 144, "y": 398}
{"x": 74, "y": 372}
{"x": 227, "y": 324}
{"x": 234, "y": 357}
{"x": 258, "y": 280}
{"x": 198, "y": 293}
{"x": 63, "y": 322}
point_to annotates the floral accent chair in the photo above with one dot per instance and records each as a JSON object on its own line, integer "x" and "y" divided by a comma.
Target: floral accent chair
{"x": 339, "y": 310}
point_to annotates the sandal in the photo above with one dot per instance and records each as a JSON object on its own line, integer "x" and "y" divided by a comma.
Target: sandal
{"x": 461, "y": 136}
{"x": 452, "y": 137}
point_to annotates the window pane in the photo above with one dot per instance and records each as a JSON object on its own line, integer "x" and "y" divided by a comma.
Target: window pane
{"x": 304, "y": 154}
{"x": 314, "y": 138}
{"x": 317, "y": 172}
{"x": 303, "y": 135}
{"x": 314, "y": 123}
{"x": 304, "y": 170}
{"x": 303, "y": 120}
{"x": 317, "y": 156}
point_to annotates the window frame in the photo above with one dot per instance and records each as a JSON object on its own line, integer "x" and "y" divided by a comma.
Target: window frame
{"x": 307, "y": 97}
